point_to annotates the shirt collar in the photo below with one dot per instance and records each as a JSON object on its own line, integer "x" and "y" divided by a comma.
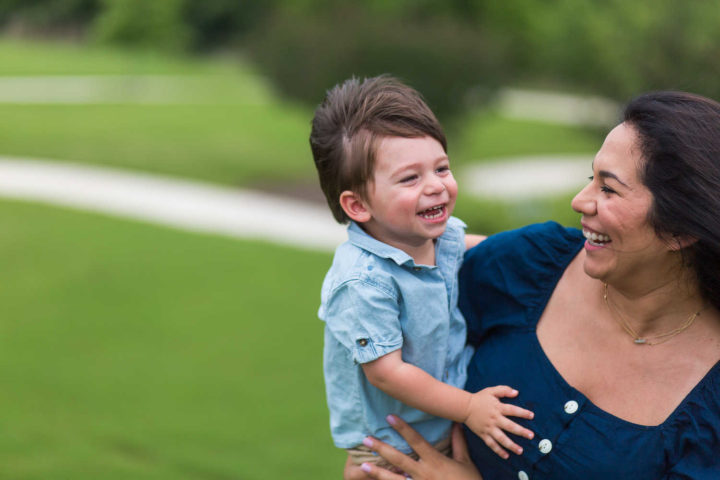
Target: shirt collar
{"x": 358, "y": 237}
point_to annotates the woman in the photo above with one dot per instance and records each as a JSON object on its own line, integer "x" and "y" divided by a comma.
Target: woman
{"x": 612, "y": 334}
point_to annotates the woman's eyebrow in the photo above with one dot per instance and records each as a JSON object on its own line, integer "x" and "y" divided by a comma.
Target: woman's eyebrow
{"x": 606, "y": 174}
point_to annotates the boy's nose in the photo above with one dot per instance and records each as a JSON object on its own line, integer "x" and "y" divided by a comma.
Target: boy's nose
{"x": 434, "y": 186}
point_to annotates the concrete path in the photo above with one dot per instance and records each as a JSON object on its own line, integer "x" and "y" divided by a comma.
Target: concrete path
{"x": 174, "y": 202}
{"x": 204, "y": 207}
{"x": 524, "y": 178}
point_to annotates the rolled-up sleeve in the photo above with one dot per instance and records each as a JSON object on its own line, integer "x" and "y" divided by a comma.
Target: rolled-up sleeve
{"x": 365, "y": 318}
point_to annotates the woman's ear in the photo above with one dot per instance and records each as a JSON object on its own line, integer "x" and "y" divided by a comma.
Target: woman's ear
{"x": 355, "y": 207}
{"x": 678, "y": 242}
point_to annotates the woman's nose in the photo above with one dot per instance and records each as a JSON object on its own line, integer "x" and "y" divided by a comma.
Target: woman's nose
{"x": 584, "y": 202}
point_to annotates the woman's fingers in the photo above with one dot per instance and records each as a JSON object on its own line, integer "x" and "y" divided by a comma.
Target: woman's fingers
{"x": 354, "y": 472}
{"x": 373, "y": 471}
{"x": 395, "y": 457}
{"x": 459, "y": 444}
{"x": 412, "y": 437}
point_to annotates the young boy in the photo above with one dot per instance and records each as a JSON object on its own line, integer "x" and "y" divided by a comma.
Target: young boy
{"x": 394, "y": 337}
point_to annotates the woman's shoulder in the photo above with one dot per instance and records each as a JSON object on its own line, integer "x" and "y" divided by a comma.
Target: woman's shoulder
{"x": 513, "y": 273}
{"x": 537, "y": 247}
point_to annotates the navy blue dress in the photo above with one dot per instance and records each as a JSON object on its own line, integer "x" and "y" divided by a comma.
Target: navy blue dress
{"x": 505, "y": 283}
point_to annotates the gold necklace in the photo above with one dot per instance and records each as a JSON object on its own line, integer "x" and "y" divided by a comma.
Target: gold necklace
{"x": 646, "y": 340}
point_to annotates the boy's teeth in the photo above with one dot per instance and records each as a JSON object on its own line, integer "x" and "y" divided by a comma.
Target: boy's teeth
{"x": 433, "y": 212}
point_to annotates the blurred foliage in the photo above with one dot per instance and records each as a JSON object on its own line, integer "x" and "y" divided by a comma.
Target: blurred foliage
{"x": 47, "y": 14}
{"x": 451, "y": 50}
{"x": 142, "y": 23}
{"x": 306, "y": 54}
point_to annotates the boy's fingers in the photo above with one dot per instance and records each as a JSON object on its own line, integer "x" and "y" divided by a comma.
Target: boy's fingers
{"x": 515, "y": 411}
{"x": 503, "y": 440}
{"x": 495, "y": 447}
{"x": 514, "y": 428}
{"x": 502, "y": 391}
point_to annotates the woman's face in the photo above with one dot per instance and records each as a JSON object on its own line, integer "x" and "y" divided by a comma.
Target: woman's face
{"x": 620, "y": 243}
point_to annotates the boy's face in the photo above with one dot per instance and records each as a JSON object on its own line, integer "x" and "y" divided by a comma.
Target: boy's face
{"x": 413, "y": 192}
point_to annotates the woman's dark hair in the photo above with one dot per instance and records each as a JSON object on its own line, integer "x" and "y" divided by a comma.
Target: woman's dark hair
{"x": 679, "y": 135}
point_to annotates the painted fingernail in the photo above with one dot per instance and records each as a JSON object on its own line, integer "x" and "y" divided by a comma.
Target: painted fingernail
{"x": 367, "y": 441}
{"x": 365, "y": 467}
{"x": 391, "y": 419}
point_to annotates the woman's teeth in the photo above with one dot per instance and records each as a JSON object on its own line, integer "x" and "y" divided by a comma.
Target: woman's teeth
{"x": 596, "y": 238}
{"x": 431, "y": 213}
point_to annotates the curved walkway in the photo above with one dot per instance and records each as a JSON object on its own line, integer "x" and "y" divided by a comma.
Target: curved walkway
{"x": 184, "y": 204}
{"x": 209, "y": 208}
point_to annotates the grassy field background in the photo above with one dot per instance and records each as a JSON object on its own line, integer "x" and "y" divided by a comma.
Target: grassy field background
{"x": 134, "y": 351}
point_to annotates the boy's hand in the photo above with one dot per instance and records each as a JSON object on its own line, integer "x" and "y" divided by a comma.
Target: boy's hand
{"x": 487, "y": 417}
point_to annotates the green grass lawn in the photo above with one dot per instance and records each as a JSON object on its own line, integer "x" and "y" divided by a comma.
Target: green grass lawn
{"x": 133, "y": 351}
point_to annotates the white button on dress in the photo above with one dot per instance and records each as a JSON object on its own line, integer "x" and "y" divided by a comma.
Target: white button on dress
{"x": 571, "y": 407}
{"x": 545, "y": 446}
{"x": 522, "y": 475}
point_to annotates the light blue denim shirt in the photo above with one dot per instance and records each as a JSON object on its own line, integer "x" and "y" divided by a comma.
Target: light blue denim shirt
{"x": 375, "y": 300}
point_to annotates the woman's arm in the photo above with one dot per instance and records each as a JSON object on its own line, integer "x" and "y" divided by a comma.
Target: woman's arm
{"x": 432, "y": 464}
{"x": 471, "y": 240}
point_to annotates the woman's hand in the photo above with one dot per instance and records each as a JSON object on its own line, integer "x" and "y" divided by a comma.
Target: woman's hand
{"x": 431, "y": 465}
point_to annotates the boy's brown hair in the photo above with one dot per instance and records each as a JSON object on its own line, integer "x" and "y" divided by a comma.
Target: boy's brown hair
{"x": 349, "y": 125}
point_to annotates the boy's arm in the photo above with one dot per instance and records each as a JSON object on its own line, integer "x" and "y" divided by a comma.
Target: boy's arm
{"x": 471, "y": 240}
{"x": 482, "y": 412}
{"x": 415, "y": 387}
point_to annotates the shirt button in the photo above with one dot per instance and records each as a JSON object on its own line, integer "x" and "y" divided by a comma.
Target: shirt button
{"x": 571, "y": 407}
{"x": 362, "y": 342}
{"x": 522, "y": 475}
{"x": 545, "y": 446}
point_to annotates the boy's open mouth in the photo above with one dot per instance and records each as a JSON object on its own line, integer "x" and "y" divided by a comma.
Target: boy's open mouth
{"x": 596, "y": 239}
{"x": 433, "y": 212}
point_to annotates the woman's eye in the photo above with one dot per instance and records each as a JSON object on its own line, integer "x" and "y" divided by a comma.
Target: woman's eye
{"x": 606, "y": 189}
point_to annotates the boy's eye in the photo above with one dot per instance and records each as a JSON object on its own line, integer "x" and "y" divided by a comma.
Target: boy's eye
{"x": 407, "y": 179}
{"x": 442, "y": 169}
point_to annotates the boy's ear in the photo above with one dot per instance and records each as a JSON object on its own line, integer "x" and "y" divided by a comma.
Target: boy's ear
{"x": 354, "y": 206}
